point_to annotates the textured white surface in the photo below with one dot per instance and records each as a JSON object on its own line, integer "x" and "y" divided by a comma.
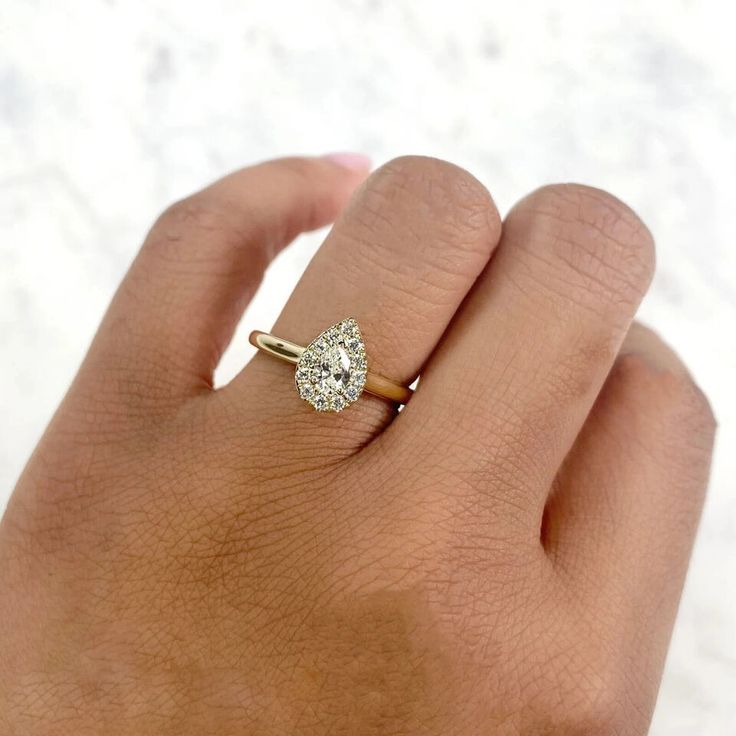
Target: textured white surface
{"x": 109, "y": 110}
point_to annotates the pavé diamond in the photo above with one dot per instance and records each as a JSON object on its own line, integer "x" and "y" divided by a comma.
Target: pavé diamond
{"x": 331, "y": 372}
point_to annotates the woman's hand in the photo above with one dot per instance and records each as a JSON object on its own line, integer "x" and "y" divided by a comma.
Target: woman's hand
{"x": 505, "y": 556}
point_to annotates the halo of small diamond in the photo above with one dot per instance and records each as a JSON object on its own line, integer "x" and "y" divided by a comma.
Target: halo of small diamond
{"x": 331, "y": 372}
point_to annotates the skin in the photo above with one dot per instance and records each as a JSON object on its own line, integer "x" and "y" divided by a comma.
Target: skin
{"x": 505, "y": 556}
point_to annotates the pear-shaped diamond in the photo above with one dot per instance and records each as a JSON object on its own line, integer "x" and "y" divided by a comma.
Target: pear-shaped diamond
{"x": 331, "y": 371}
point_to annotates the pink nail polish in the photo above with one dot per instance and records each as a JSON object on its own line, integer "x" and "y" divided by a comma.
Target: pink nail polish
{"x": 352, "y": 161}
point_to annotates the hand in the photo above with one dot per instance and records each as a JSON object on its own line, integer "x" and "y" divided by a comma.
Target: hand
{"x": 504, "y": 556}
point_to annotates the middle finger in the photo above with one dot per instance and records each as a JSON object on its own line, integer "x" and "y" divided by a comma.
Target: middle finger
{"x": 511, "y": 384}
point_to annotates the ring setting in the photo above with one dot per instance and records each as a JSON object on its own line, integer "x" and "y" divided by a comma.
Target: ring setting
{"x": 332, "y": 370}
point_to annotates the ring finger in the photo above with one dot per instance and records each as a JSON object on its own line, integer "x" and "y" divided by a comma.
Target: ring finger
{"x": 400, "y": 259}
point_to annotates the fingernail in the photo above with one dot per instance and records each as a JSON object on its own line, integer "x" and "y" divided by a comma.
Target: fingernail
{"x": 352, "y": 161}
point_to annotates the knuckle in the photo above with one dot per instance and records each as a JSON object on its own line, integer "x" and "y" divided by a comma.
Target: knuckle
{"x": 445, "y": 201}
{"x": 196, "y": 210}
{"x": 635, "y": 372}
{"x": 692, "y": 408}
{"x": 667, "y": 400}
{"x": 670, "y": 386}
{"x": 591, "y": 233}
{"x": 201, "y": 217}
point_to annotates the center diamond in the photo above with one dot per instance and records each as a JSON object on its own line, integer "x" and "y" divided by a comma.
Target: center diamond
{"x": 331, "y": 371}
{"x": 334, "y": 370}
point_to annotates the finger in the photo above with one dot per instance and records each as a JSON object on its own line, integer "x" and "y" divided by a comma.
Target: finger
{"x": 512, "y": 382}
{"x": 175, "y": 312}
{"x": 400, "y": 259}
{"x": 620, "y": 523}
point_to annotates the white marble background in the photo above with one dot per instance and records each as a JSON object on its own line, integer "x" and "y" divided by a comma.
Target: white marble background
{"x": 110, "y": 109}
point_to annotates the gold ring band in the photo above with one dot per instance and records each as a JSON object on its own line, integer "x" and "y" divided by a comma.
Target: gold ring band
{"x": 332, "y": 370}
